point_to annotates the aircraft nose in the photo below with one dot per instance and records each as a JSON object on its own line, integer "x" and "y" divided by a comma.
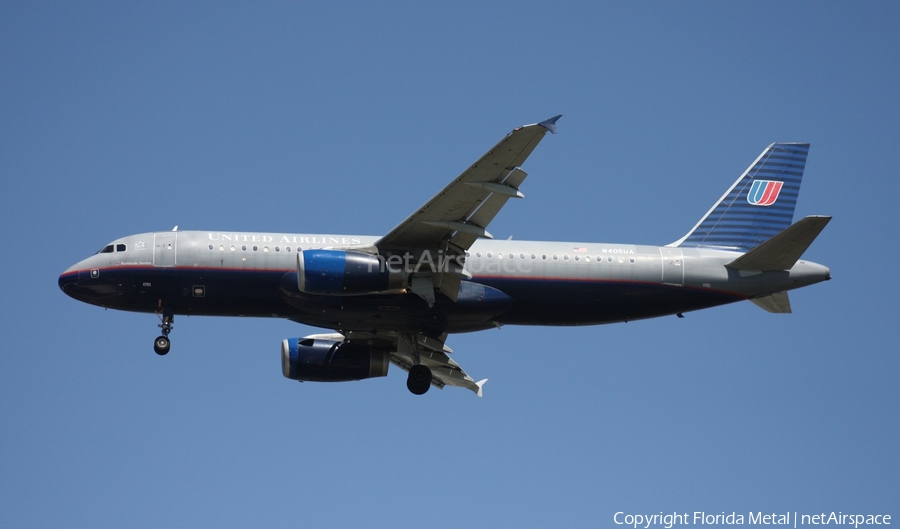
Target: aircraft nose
{"x": 68, "y": 280}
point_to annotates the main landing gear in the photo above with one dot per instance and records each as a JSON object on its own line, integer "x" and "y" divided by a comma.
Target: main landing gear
{"x": 419, "y": 379}
{"x": 162, "y": 343}
{"x": 434, "y": 323}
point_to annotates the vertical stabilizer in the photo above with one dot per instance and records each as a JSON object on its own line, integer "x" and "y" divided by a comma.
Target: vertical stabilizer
{"x": 759, "y": 205}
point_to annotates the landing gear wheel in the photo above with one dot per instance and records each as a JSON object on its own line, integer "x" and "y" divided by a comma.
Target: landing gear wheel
{"x": 434, "y": 323}
{"x": 161, "y": 345}
{"x": 419, "y": 379}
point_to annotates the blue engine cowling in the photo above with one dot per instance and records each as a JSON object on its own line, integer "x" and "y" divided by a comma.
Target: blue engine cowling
{"x": 337, "y": 272}
{"x": 320, "y": 360}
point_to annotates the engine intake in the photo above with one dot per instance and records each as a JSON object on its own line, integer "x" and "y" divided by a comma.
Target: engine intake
{"x": 338, "y": 272}
{"x": 319, "y": 360}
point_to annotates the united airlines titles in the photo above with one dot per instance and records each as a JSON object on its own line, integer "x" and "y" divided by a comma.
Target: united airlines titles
{"x": 283, "y": 239}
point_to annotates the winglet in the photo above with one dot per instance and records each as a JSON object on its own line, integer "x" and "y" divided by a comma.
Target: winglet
{"x": 550, "y": 124}
{"x": 480, "y": 385}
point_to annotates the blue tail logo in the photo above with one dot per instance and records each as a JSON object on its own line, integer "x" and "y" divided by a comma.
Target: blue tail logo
{"x": 764, "y": 192}
{"x": 737, "y": 221}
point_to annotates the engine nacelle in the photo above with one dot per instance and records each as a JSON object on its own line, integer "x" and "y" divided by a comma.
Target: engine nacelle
{"x": 338, "y": 272}
{"x": 318, "y": 360}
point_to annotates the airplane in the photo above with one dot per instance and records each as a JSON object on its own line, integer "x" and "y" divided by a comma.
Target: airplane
{"x": 394, "y": 299}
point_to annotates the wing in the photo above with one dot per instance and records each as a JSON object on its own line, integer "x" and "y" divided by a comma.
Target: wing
{"x": 432, "y": 353}
{"x": 457, "y": 216}
{"x": 462, "y": 210}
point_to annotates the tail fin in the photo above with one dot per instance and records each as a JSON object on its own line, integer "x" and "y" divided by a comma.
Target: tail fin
{"x": 759, "y": 205}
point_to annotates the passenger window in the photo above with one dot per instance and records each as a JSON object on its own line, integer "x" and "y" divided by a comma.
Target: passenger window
{"x": 211, "y": 246}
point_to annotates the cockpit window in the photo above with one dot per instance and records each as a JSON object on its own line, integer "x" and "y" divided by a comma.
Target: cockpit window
{"x": 120, "y": 247}
{"x": 107, "y": 249}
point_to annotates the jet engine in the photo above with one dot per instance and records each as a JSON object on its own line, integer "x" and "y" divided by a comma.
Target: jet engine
{"x": 321, "y": 360}
{"x": 338, "y": 272}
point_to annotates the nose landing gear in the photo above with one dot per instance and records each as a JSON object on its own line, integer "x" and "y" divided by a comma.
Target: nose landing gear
{"x": 162, "y": 343}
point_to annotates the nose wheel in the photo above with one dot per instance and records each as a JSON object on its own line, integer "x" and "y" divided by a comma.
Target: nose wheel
{"x": 162, "y": 343}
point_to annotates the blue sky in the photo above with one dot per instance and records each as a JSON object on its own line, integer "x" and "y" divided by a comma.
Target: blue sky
{"x": 121, "y": 118}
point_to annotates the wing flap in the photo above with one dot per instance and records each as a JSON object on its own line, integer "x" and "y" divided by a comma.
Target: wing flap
{"x": 432, "y": 353}
{"x": 489, "y": 208}
{"x": 444, "y": 370}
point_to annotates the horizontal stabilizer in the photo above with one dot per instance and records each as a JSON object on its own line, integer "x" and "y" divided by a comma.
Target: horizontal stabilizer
{"x": 777, "y": 303}
{"x": 783, "y": 250}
